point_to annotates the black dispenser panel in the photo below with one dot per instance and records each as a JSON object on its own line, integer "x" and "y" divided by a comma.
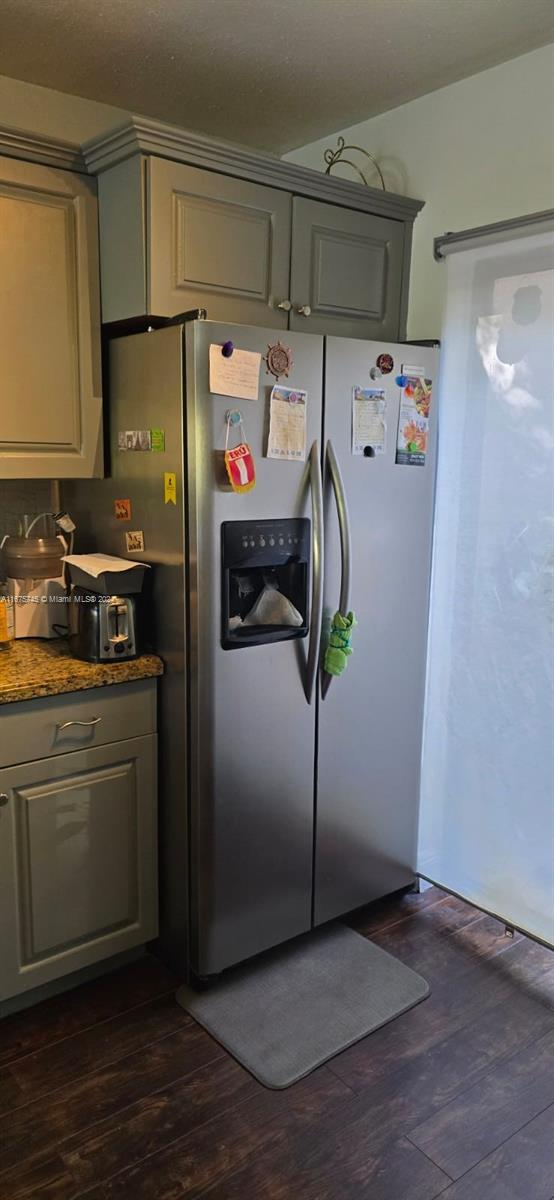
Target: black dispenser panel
{"x": 258, "y": 555}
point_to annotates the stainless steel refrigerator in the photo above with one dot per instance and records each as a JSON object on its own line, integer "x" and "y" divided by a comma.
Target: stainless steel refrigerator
{"x": 288, "y": 797}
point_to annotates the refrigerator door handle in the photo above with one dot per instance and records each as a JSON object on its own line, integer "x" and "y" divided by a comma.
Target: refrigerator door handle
{"x": 345, "y": 542}
{"x": 316, "y": 617}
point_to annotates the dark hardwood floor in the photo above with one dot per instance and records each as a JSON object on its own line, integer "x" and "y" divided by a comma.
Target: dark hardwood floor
{"x": 111, "y": 1091}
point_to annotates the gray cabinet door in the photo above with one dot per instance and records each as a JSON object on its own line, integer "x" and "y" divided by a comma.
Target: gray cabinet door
{"x": 217, "y": 243}
{"x": 347, "y": 270}
{"x": 51, "y": 411}
{"x": 79, "y": 860}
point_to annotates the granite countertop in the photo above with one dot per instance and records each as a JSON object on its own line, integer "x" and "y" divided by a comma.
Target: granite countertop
{"x": 35, "y": 667}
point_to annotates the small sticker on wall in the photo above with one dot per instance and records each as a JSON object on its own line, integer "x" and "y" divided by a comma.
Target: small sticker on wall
{"x": 122, "y": 510}
{"x": 134, "y": 541}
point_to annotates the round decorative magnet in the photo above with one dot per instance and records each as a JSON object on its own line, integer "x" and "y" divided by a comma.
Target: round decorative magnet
{"x": 227, "y": 349}
{"x": 401, "y": 380}
{"x": 385, "y": 362}
{"x": 278, "y": 359}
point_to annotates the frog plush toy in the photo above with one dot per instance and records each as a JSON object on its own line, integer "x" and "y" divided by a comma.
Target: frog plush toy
{"x": 339, "y": 648}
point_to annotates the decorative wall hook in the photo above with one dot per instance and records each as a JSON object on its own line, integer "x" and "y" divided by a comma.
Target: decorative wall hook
{"x": 334, "y": 156}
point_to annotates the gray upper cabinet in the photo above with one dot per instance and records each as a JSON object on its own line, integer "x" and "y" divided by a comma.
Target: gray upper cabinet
{"x": 51, "y": 411}
{"x": 217, "y": 243}
{"x": 187, "y": 222}
{"x": 174, "y": 238}
{"x": 346, "y": 271}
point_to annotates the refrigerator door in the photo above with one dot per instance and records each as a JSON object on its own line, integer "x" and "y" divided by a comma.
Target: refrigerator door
{"x": 251, "y": 727}
{"x": 370, "y": 718}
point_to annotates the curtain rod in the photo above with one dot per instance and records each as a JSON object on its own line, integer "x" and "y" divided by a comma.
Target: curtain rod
{"x": 500, "y": 231}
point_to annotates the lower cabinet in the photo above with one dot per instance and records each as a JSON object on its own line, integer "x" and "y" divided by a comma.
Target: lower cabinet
{"x": 78, "y": 860}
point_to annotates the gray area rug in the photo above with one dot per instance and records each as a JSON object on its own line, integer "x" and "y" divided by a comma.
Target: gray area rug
{"x": 291, "y": 1010}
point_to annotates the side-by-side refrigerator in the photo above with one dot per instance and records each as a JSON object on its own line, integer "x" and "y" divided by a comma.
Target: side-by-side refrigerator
{"x": 288, "y": 796}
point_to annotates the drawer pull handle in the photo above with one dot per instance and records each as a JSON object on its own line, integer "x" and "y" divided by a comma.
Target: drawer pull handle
{"x": 3, "y": 799}
{"x": 87, "y": 724}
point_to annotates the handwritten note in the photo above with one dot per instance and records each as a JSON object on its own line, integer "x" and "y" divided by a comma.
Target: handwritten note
{"x": 236, "y": 376}
{"x": 287, "y": 424}
{"x": 368, "y": 420}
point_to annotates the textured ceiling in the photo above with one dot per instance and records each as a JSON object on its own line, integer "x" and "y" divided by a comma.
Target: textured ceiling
{"x": 275, "y": 74}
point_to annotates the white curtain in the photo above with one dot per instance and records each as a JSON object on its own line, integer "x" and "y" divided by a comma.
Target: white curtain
{"x": 487, "y": 788}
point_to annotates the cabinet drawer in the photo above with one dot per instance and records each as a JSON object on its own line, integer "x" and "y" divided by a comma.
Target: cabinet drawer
{"x": 33, "y": 728}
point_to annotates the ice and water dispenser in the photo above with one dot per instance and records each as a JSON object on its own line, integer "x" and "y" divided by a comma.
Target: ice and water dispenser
{"x": 265, "y": 581}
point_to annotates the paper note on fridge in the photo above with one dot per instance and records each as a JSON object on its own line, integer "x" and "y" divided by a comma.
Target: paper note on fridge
{"x": 368, "y": 420}
{"x": 237, "y": 375}
{"x": 287, "y": 424}
{"x": 413, "y": 421}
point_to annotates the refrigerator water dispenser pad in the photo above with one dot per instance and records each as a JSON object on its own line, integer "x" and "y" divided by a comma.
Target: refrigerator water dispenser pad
{"x": 259, "y": 558}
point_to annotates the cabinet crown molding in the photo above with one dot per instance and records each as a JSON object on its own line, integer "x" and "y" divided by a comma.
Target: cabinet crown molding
{"x": 33, "y": 147}
{"x": 140, "y": 135}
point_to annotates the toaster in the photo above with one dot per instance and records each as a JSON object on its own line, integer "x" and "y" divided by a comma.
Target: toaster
{"x": 103, "y": 628}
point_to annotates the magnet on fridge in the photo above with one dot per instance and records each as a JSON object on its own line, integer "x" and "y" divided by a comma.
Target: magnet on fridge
{"x": 170, "y": 487}
{"x": 134, "y": 542}
{"x": 385, "y": 362}
{"x": 239, "y": 461}
{"x": 227, "y": 349}
{"x": 122, "y": 510}
{"x": 401, "y": 380}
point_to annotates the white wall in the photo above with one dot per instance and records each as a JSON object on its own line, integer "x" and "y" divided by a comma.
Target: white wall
{"x": 477, "y": 151}
{"x": 54, "y": 114}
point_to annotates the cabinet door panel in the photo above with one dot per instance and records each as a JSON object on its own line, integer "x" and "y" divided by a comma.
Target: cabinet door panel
{"x": 77, "y": 840}
{"x": 83, "y": 875}
{"x": 51, "y": 415}
{"x": 218, "y": 243}
{"x": 347, "y": 266}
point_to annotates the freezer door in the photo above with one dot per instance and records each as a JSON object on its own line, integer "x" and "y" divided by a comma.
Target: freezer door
{"x": 370, "y": 718}
{"x": 251, "y": 728}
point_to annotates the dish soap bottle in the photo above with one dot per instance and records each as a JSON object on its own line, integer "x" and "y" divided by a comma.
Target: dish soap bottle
{"x": 7, "y": 630}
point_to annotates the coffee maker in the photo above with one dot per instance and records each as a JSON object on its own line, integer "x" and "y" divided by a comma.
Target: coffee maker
{"x": 105, "y": 615}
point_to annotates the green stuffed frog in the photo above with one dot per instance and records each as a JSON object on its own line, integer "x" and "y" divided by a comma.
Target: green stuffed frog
{"x": 339, "y": 648}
